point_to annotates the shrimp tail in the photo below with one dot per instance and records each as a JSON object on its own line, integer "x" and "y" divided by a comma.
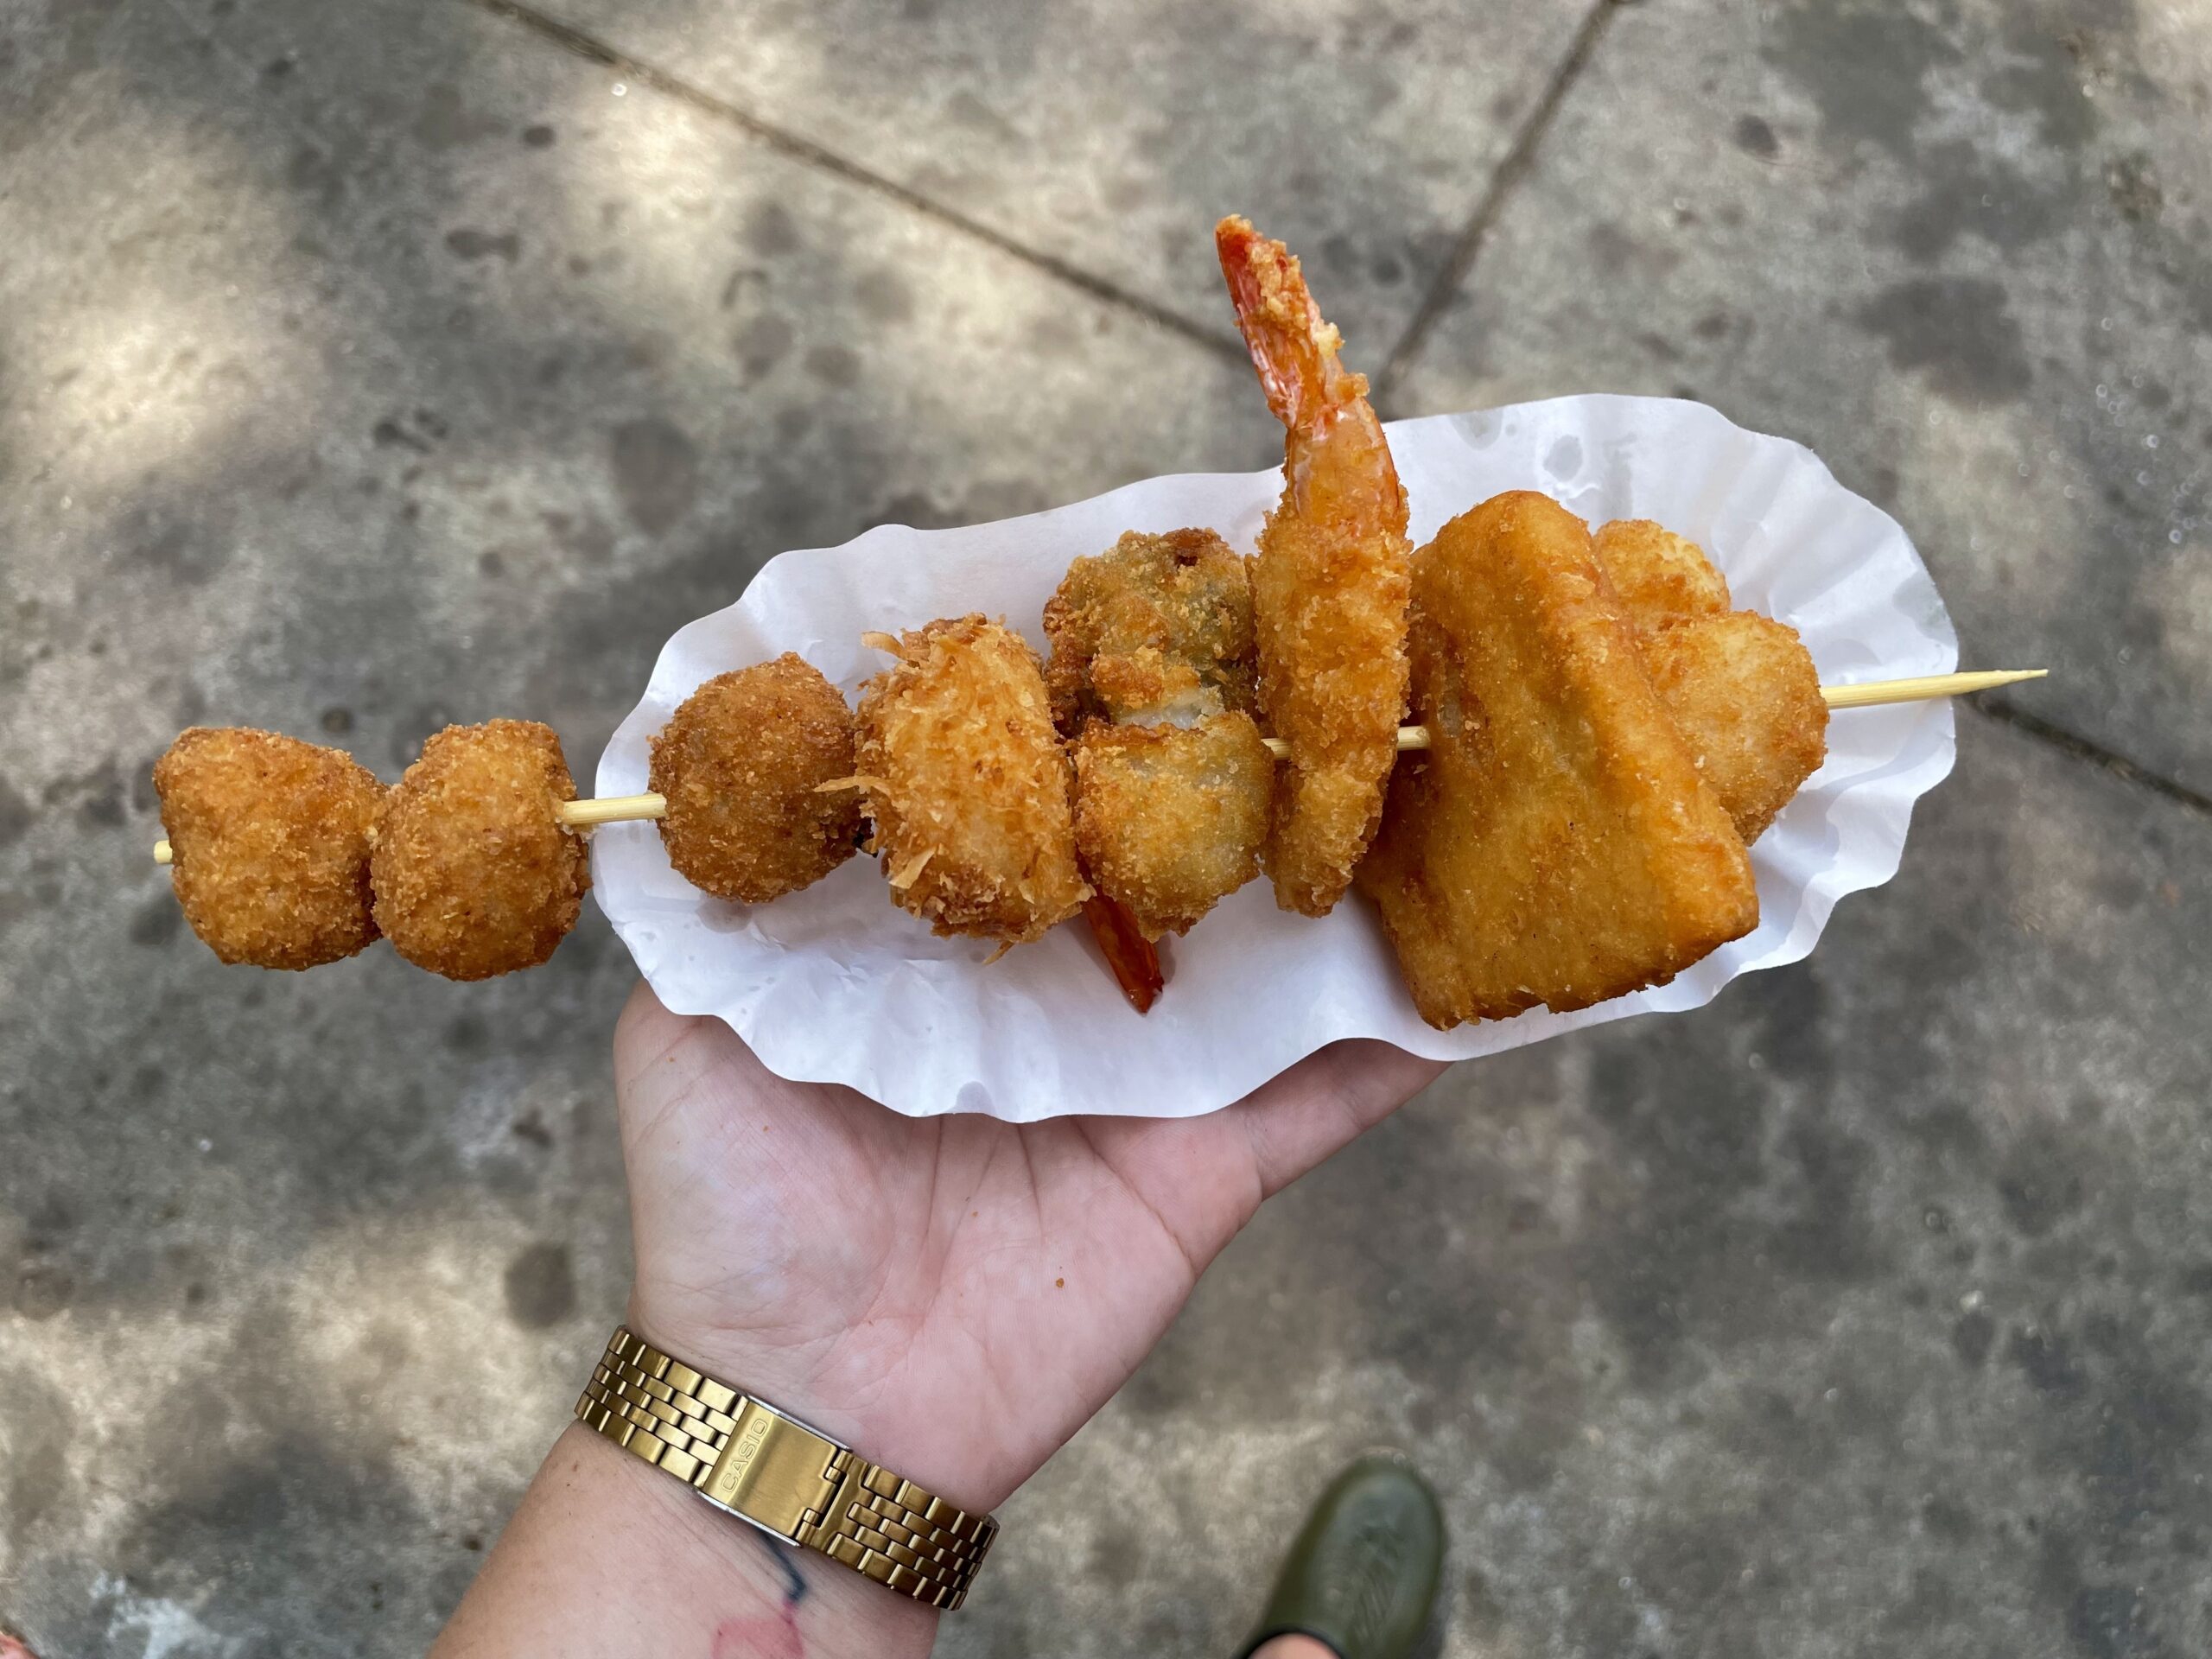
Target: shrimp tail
{"x": 1292, "y": 349}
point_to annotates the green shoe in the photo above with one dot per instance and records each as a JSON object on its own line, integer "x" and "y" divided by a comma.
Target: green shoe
{"x": 1363, "y": 1573}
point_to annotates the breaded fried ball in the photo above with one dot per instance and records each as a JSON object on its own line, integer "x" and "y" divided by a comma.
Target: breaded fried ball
{"x": 473, "y": 874}
{"x": 269, "y": 841}
{"x": 1660, "y": 577}
{"x": 1557, "y": 843}
{"x": 1155, "y": 626}
{"x": 741, "y": 763}
{"x": 1169, "y": 820}
{"x": 966, "y": 784}
{"x": 1744, "y": 695}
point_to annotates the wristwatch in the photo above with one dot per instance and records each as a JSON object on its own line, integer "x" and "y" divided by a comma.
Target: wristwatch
{"x": 795, "y": 1483}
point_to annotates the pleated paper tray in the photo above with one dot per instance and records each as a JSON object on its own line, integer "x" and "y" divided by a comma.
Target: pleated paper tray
{"x": 834, "y": 984}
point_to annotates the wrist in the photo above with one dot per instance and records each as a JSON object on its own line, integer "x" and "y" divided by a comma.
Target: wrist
{"x": 608, "y": 1554}
{"x": 859, "y": 1406}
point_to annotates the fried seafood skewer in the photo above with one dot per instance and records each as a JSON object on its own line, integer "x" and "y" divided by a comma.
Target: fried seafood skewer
{"x": 588, "y": 812}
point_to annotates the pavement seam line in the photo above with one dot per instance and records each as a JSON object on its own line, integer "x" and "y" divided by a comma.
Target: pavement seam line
{"x": 1519, "y": 159}
{"x": 821, "y": 158}
{"x": 2075, "y": 747}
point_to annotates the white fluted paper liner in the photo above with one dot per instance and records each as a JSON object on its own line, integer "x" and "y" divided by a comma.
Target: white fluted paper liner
{"x": 834, "y": 984}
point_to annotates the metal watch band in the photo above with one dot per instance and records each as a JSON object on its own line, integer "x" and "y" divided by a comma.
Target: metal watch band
{"x": 743, "y": 1455}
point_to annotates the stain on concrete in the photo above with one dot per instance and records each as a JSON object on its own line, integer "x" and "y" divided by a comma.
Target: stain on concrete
{"x": 17, "y": 814}
{"x": 883, "y": 296}
{"x": 541, "y": 1286}
{"x": 770, "y": 231}
{"x": 1972, "y": 1335}
{"x": 2047, "y": 71}
{"x": 467, "y": 244}
{"x": 2041, "y": 1181}
{"x": 445, "y": 120}
{"x": 1865, "y": 66}
{"x": 834, "y": 365}
{"x": 656, "y": 473}
{"x": 157, "y": 919}
{"x": 1958, "y": 332}
{"x": 1964, "y": 193}
{"x": 1755, "y": 137}
{"x": 761, "y": 344}
{"x": 2132, "y": 182}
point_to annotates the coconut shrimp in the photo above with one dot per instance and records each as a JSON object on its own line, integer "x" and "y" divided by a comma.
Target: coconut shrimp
{"x": 1330, "y": 586}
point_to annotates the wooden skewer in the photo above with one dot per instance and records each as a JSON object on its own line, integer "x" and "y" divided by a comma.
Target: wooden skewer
{"x": 1921, "y": 688}
{"x": 577, "y": 815}
{"x": 626, "y": 809}
{"x": 1926, "y": 686}
{"x": 612, "y": 809}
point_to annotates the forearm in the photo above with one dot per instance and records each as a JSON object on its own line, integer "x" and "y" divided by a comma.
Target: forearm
{"x": 607, "y": 1556}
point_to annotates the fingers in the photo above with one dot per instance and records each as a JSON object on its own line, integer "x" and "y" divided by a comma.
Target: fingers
{"x": 1320, "y": 1103}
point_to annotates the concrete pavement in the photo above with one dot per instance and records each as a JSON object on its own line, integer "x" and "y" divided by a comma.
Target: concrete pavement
{"x": 366, "y": 368}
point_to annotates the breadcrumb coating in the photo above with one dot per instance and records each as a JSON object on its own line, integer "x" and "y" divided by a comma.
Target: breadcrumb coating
{"x": 1556, "y": 844}
{"x": 966, "y": 785}
{"x": 475, "y": 875}
{"x": 1154, "y": 624}
{"x": 1741, "y": 687}
{"x": 1169, "y": 820}
{"x": 1660, "y": 577}
{"x": 1329, "y": 587}
{"x": 1747, "y": 698}
{"x": 269, "y": 841}
{"x": 741, "y": 763}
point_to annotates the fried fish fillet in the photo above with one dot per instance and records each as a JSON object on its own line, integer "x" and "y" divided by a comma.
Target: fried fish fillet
{"x": 474, "y": 873}
{"x": 1156, "y": 625}
{"x": 1660, "y": 577}
{"x": 1745, "y": 695}
{"x": 1556, "y": 844}
{"x": 966, "y": 785}
{"x": 270, "y": 845}
{"x": 743, "y": 763}
{"x": 1170, "y": 819}
{"x": 1741, "y": 687}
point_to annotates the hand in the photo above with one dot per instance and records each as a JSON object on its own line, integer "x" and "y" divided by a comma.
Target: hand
{"x": 951, "y": 1296}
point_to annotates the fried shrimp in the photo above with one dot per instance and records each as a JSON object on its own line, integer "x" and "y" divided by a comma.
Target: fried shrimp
{"x": 1660, "y": 577}
{"x": 743, "y": 763}
{"x": 966, "y": 785}
{"x": 1170, "y": 819}
{"x": 1329, "y": 587}
{"x": 475, "y": 874}
{"x": 1744, "y": 695}
{"x": 1556, "y": 844}
{"x": 270, "y": 845}
{"x": 1156, "y": 626}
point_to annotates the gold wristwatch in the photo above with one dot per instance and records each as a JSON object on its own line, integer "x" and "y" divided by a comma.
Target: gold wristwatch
{"x": 792, "y": 1482}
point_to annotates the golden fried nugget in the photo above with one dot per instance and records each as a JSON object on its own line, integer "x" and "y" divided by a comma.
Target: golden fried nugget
{"x": 742, "y": 762}
{"x": 1660, "y": 577}
{"x": 269, "y": 841}
{"x": 475, "y": 874}
{"x": 1556, "y": 844}
{"x": 1330, "y": 584}
{"x": 1170, "y": 819}
{"x": 1155, "y": 623}
{"x": 966, "y": 784}
{"x": 1745, "y": 695}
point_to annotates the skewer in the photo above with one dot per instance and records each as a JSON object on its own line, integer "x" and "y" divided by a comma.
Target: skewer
{"x": 625, "y": 809}
{"x": 1924, "y": 687}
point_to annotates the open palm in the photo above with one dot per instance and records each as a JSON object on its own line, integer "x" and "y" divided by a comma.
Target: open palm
{"x": 953, "y": 1296}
